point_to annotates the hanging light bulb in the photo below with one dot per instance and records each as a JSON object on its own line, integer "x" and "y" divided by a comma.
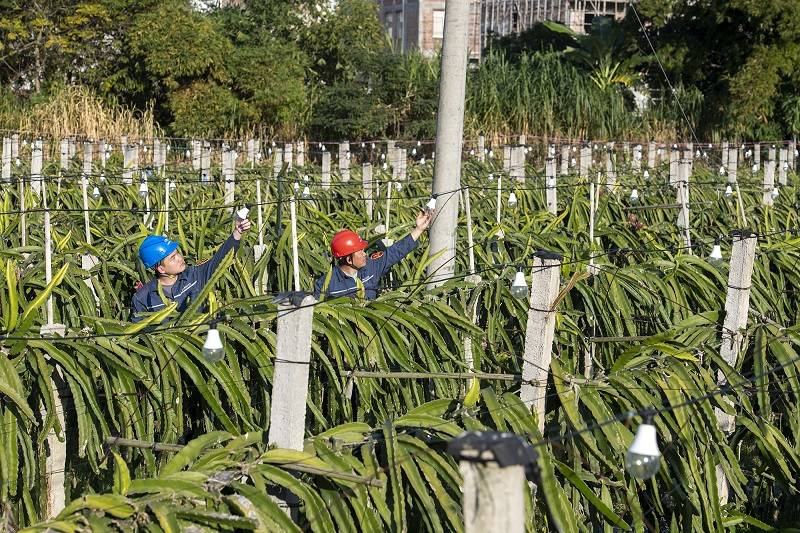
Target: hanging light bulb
{"x": 643, "y": 458}
{"x": 17, "y": 162}
{"x": 305, "y": 177}
{"x": 748, "y": 153}
{"x": 755, "y": 168}
{"x": 413, "y": 151}
{"x": 273, "y": 144}
{"x": 491, "y": 153}
{"x": 102, "y": 178}
{"x": 213, "y": 349}
{"x": 512, "y": 199}
{"x": 710, "y": 146}
{"x": 722, "y": 170}
{"x": 143, "y": 189}
{"x": 398, "y": 186}
{"x": 322, "y": 147}
{"x": 383, "y": 157}
{"x": 519, "y": 289}
{"x": 634, "y": 196}
{"x": 552, "y": 150}
{"x": 728, "y": 191}
{"x": 188, "y": 154}
{"x": 491, "y": 177}
{"x": 422, "y": 161}
{"x": 296, "y": 186}
{"x": 716, "y": 252}
{"x": 96, "y": 193}
{"x": 775, "y": 192}
{"x": 363, "y": 145}
{"x": 431, "y": 205}
{"x": 646, "y": 174}
{"x": 372, "y": 146}
{"x": 242, "y": 213}
{"x": 697, "y": 153}
{"x": 572, "y": 162}
{"x": 306, "y": 192}
{"x": 472, "y": 151}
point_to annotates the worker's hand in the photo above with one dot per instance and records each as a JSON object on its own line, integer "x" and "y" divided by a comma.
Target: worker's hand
{"x": 241, "y": 227}
{"x": 424, "y": 219}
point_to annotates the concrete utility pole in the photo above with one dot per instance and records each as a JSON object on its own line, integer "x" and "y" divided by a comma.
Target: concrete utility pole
{"x": 344, "y": 161}
{"x": 737, "y": 305}
{"x": 449, "y": 136}
{"x": 539, "y": 331}
{"x": 290, "y": 382}
{"x": 492, "y": 465}
{"x": 326, "y": 170}
{"x": 366, "y": 181}
{"x": 551, "y": 192}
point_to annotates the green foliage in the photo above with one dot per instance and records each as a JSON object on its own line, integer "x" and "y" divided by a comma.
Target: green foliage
{"x": 206, "y": 108}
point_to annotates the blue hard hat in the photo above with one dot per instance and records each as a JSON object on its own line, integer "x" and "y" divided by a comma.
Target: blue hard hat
{"x": 154, "y": 248}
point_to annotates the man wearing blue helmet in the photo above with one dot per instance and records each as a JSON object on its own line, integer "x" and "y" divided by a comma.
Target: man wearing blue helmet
{"x": 174, "y": 281}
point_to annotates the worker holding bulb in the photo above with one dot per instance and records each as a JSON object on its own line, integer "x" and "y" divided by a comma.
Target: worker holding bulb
{"x": 355, "y": 274}
{"x": 173, "y": 280}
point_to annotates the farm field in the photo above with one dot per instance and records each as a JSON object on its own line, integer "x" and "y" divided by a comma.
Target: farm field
{"x": 157, "y": 438}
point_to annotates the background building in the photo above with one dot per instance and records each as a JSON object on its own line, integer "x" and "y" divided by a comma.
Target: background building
{"x": 420, "y": 23}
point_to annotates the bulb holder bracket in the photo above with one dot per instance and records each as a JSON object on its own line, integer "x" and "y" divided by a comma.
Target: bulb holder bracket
{"x": 506, "y": 449}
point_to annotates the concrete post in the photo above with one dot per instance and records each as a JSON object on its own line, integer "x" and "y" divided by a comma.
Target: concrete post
{"x": 733, "y": 165}
{"x": 449, "y": 136}
{"x": 518, "y": 163}
{"x": 651, "y": 155}
{"x": 229, "y": 176}
{"x": 771, "y": 153}
{"x": 481, "y": 148}
{"x": 288, "y": 155}
{"x": 507, "y": 160}
{"x": 725, "y": 154}
{"x": 6, "y": 172}
{"x": 301, "y": 153}
{"x": 539, "y": 331}
{"x": 366, "y": 180}
{"x": 757, "y": 155}
{"x": 64, "y": 154}
{"x": 88, "y": 158}
{"x": 551, "y": 192}
{"x": 15, "y": 146}
{"x": 196, "y": 154}
{"x": 585, "y": 161}
{"x": 637, "y": 157}
{"x": 611, "y": 175}
{"x": 782, "y": 164}
{"x": 344, "y": 161}
{"x": 326, "y": 170}
{"x": 128, "y": 163}
{"x": 564, "y": 160}
{"x": 492, "y": 466}
{"x": 85, "y": 199}
{"x": 674, "y": 168}
{"x": 290, "y": 381}
{"x": 36, "y": 168}
{"x": 683, "y": 214}
{"x": 277, "y": 161}
{"x": 768, "y": 184}
{"x": 205, "y": 162}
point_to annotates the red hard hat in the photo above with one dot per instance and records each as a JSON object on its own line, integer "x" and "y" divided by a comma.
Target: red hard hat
{"x": 346, "y": 242}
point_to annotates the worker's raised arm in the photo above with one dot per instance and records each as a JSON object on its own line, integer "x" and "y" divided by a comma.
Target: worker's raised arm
{"x": 207, "y": 269}
{"x": 404, "y": 246}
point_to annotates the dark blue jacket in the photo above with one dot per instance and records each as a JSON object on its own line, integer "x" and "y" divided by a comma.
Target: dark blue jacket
{"x": 343, "y": 285}
{"x": 188, "y": 285}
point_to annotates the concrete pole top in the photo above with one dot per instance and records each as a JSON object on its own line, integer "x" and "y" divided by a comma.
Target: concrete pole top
{"x": 547, "y": 255}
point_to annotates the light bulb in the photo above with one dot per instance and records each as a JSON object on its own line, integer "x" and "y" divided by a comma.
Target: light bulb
{"x": 96, "y": 193}
{"x": 634, "y": 196}
{"x": 213, "y": 350}
{"x": 383, "y": 157}
{"x": 296, "y": 186}
{"x": 519, "y": 289}
{"x": 643, "y": 458}
{"x": 491, "y": 177}
{"x": 143, "y": 189}
{"x": 775, "y": 193}
{"x": 305, "y": 177}
{"x": 172, "y": 185}
{"x": 273, "y": 144}
{"x": 721, "y": 170}
{"x": 728, "y": 191}
{"x": 17, "y": 162}
{"x": 422, "y": 161}
{"x": 363, "y": 145}
{"x": 419, "y": 143}
{"x": 242, "y": 213}
{"x": 785, "y": 165}
{"x": 572, "y": 162}
{"x": 512, "y": 199}
{"x": 755, "y": 168}
{"x": 306, "y": 192}
{"x": 748, "y": 153}
{"x": 646, "y": 174}
{"x": 385, "y": 166}
{"x": 431, "y": 205}
{"x": 102, "y": 178}
{"x": 188, "y": 154}
{"x": 372, "y": 146}
{"x": 710, "y": 146}
{"x": 472, "y": 152}
{"x": 413, "y": 151}
{"x": 697, "y": 153}
{"x": 398, "y": 186}
{"x": 552, "y": 150}
{"x": 322, "y": 146}
{"x": 491, "y": 153}
{"x": 716, "y": 253}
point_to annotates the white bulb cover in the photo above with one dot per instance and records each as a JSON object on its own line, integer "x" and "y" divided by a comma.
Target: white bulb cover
{"x": 296, "y": 186}
{"x": 491, "y": 153}
{"x": 143, "y": 188}
{"x": 722, "y": 170}
{"x": 643, "y": 458}
{"x": 305, "y": 177}
{"x": 755, "y": 168}
{"x": 491, "y": 177}
{"x": 385, "y": 166}
{"x": 728, "y": 191}
{"x": 716, "y": 253}
{"x": 472, "y": 152}
{"x": 373, "y": 146}
{"x": 188, "y": 153}
{"x": 102, "y": 177}
{"x": 383, "y": 157}
{"x": 306, "y": 192}
{"x": 646, "y": 174}
{"x": 431, "y": 205}
{"x": 422, "y": 161}
{"x": 96, "y": 193}
{"x": 212, "y": 348}
{"x": 775, "y": 192}
{"x": 242, "y": 213}
{"x": 634, "y": 195}
{"x": 572, "y": 162}
{"x": 519, "y": 288}
{"x": 413, "y": 151}
{"x": 419, "y": 143}
{"x": 512, "y": 199}
{"x": 398, "y": 186}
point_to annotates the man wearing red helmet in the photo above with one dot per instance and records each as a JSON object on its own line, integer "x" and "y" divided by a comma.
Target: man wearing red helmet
{"x": 353, "y": 273}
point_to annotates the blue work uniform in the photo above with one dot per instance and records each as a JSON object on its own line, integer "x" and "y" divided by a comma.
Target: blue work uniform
{"x": 343, "y": 285}
{"x": 188, "y": 285}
